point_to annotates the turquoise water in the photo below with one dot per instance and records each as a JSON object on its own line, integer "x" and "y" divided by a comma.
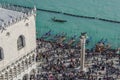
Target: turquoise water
{"x": 108, "y": 9}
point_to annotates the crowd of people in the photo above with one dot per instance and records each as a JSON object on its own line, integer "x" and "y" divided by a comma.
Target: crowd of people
{"x": 59, "y": 63}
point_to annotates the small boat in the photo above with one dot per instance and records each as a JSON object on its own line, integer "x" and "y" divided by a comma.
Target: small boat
{"x": 58, "y": 20}
{"x": 71, "y": 42}
{"x": 47, "y": 34}
{"x": 61, "y": 39}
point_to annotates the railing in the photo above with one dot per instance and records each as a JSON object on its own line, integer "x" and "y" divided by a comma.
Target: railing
{"x": 14, "y": 61}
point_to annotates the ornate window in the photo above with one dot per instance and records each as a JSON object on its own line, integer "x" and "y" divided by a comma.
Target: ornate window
{"x": 20, "y": 42}
{"x": 1, "y": 54}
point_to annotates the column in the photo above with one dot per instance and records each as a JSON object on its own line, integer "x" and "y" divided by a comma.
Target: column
{"x": 1, "y": 77}
{"x": 30, "y": 60}
{"x": 26, "y": 63}
{"x": 23, "y": 66}
{"x": 6, "y": 76}
{"x": 10, "y": 74}
{"x": 33, "y": 58}
{"x": 14, "y": 72}
{"x": 18, "y": 69}
{"x": 82, "y": 54}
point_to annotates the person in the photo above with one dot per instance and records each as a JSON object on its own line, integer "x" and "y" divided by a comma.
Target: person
{"x": 119, "y": 59}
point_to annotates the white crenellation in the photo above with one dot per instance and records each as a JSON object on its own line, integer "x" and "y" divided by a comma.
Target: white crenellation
{"x": 27, "y": 13}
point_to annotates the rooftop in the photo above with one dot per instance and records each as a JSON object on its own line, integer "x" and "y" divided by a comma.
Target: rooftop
{"x": 12, "y": 14}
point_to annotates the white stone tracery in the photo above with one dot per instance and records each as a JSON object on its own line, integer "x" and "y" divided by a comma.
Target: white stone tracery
{"x": 18, "y": 67}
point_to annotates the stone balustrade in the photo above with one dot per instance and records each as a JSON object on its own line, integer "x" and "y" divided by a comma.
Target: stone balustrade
{"x": 19, "y": 66}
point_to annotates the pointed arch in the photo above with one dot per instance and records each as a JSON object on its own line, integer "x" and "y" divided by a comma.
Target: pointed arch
{"x": 20, "y": 42}
{"x": 1, "y": 54}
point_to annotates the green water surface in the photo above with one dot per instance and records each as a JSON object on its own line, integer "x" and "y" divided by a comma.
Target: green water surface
{"x": 108, "y": 9}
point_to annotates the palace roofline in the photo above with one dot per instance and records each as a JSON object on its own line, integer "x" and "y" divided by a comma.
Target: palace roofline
{"x": 11, "y": 14}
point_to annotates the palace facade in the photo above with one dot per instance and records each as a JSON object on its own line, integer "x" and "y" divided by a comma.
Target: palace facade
{"x": 17, "y": 42}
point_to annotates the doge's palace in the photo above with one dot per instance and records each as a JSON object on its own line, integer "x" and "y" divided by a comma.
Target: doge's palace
{"x": 17, "y": 42}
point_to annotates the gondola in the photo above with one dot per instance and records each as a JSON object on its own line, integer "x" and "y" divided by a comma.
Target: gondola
{"x": 47, "y": 34}
{"x": 58, "y": 20}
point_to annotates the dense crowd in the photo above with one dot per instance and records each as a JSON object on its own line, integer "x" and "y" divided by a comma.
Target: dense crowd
{"x": 64, "y": 63}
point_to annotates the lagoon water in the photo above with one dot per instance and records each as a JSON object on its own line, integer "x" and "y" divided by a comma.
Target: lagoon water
{"x": 107, "y": 9}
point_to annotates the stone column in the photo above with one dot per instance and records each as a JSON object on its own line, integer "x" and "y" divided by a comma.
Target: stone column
{"x": 15, "y": 71}
{"x": 6, "y": 76}
{"x": 10, "y": 74}
{"x": 82, "y": 54}
{"x": 27, "y": 63}
{"x": 23, "y": 65}
{"x": 18, "y": 69}
{"x": 2, "y": 77}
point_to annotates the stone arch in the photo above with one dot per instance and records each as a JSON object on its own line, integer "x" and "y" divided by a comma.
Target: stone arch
{"x": 6, "y": 76}
{"x": 30, "y": 60}
{"x": 1, "y": 77}
{"x": 33, "y": 71}
{"x": 23, "y": 66}
{"x": 20, "y": 42}
{"x": 10, "y": 74}
{"x": 18, "y": 69}
{"x": 33, "y": 57}
{"x": 1, "y": 54}
{"x": 26, "y": 63}
{"x": 25, "y": 77}
{"x": 32, "y": 74}
{"x": 14, "y": 71}
{"x": 38, "y": 57}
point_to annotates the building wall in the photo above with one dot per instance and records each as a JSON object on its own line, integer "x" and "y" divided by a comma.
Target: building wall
{"x": 9, "y": 43}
